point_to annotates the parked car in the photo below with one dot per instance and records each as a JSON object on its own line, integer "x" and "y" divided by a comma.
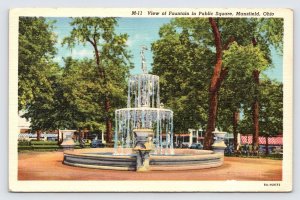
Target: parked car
{"x": 185, "y": 145}
{"x": 262, "y": 149}
{"x": 96, "y": 143}
{"x": 51, "y": 139}
{"x": 196, "y": 146}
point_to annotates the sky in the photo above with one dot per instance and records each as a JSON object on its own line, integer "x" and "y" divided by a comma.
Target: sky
{"x": 142, "y": 32}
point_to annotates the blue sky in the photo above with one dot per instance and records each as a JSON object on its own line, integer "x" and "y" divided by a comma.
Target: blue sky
{"x": 141, "y": 31}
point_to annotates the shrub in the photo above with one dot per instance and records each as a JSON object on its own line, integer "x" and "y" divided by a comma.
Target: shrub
{"x": 23, "y": 148}
{"x": 38, "y": 147}
{"x": 23, "y": 143}
{"x": 43, "y": 142}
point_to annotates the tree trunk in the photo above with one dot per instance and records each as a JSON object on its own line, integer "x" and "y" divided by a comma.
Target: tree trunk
{"x": 267, "y": 144}
{"x": 255, "y": 107}
{"x": 38, "y": 135}
{"x": 58, "y": 138}
{"x": 108, "y": 121}
{"x": 213, "y": 105}
{"x": 255, "y": 113}
{"x": 235, "y": 124}
{"x": 214, "y": 87}
{"x": 79, "y": 136}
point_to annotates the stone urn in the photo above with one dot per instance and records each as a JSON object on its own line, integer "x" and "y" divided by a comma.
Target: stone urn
{"x": 143, "y": 147}
{"x": 68, "y": 142}
{"x": 219, "y": 144}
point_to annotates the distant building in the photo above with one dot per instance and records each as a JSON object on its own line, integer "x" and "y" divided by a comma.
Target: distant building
{"x": 24, "y": 125}
{"x": 197, "y": 136}
{"x": 190, "y": 137}
{"x": 274, "y": 140}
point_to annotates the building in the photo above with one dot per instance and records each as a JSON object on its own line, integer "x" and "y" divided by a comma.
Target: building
{"x": 23, "y": 125}
{"x": 196, "y": 136}
{"x": 187, "y": 139}
{"x": 274, "y": 140}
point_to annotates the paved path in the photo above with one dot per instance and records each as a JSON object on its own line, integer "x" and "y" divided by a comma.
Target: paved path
{"x": 48, "y": 166}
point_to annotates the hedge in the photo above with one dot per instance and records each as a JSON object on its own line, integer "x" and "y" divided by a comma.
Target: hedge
{"x": 22, "y": 148}
{"x": 24, "y": 143}
{"x": 43, "y": 143}
{"x": 45, "y": 147}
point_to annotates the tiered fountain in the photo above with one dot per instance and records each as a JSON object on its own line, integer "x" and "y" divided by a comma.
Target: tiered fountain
{"x": 144, "y": 111}
{"x": 143, "y": 137}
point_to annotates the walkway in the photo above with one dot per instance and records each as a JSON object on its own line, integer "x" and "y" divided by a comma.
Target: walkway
{"x": 48, "y": 166}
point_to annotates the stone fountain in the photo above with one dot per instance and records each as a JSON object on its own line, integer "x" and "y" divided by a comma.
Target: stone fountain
{"x": 144, "y": 111}
{"x": 219, "y": 145}
{"x": 143, "y": 135}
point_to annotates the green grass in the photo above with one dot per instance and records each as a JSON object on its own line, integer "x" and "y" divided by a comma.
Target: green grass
{"x": 43, "y": 143}
{"x": 42, "y": 146}
{"x": 271, "y": 156}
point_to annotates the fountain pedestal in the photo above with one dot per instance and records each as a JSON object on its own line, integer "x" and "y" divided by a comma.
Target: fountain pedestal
{"x": 143, "y": 147}
{"x": 219, "y": 144}
{"x": 68, "y": 143}
{"x": 142, "y": 159}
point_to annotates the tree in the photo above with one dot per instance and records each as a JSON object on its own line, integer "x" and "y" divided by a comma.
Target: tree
{"x": 78, "y": 106}
{"x": 271, "y": 109}
{"x": 239, "y": 88}
{"x": 271, "y": 33}
{"x": 111, "y": 57}
{"x": 206, "y": 35}
{"x": 36, "y": 71}
{"x": 182, "y": 64}
{"x": 41, "y": 111}
{"x": 36, "y": 50}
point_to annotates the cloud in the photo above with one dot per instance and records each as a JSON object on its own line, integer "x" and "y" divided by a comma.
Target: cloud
{"x": 81, "y": 53}
{"x": 136, "y": 40}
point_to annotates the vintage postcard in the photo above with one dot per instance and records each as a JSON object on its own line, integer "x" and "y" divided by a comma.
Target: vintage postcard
{"x": 150, "y": 100}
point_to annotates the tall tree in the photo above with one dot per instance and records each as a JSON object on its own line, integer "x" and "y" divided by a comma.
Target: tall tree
{"x": 205, "y": 33}
{"x": 111, "y": 57}
{"x": 36, "y": 71}
{"x": 79, "y": 106}
{"x": 239, "y": 88}
{"x": 271, "y": 109}
{"x": 36, "y": 50}
{"x": 216, "y": 35}
{"x": 182, "y": 64}
{"x": 271, "y": 34}
{"x": 42, "y": 109}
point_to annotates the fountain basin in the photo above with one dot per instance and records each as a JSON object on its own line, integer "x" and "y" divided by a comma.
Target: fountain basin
{"x": 183, "y": 159}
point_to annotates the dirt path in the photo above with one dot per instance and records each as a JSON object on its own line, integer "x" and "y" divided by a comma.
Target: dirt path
{"x": 48, "y": 166}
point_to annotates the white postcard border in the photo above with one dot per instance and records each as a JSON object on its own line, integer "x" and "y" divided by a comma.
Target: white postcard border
{"x": 148, "y": 186}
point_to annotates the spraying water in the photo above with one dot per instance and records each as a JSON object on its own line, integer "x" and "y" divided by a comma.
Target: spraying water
{"x": 144, "y": 110}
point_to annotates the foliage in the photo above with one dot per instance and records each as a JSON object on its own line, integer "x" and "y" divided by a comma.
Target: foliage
{"x": 271, "y": 110}
{"x": 43, "y": 143}
{"x": 238, "y": 88}
{"x": 24, "y": 143}
{"x": 114, "y": 64}
{"x": 112, "y": 60}
{"x": 272, "y": 30}
{"x": 72, "y": 96}
{"x": 184, "y": 59}
{"x": 80, "y": 107}
{"x": 43, "y": 108}
{"x": 182, "y": 64}
{"x": 36, "y": 50}
{"x": 242, "y": 60}
{"x": 25, "y": 148}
